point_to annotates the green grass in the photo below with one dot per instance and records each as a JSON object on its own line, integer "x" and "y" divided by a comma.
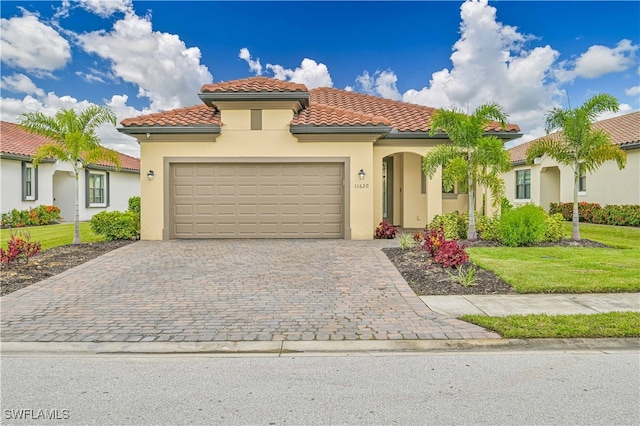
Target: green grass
{"x": 51, "y": 236}
{"x": 570, "y": 269}
{"x": 610, "y": 324}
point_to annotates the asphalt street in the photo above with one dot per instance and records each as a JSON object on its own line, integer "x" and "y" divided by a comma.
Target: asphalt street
{"x": 531, "y": 387}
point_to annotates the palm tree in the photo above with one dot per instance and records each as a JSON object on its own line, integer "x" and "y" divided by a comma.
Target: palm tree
{"x": 578, "y": 145}
{"x": 473, "y": 158}
{"x": 74, "y": 141}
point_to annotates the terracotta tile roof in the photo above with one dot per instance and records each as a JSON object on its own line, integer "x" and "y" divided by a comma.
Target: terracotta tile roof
{"x": 197, "y": 114}
{"x": 402, "y": 116}
{"x": 254, "y": 84}
{"x": 624, "y": 131}
{"x": 325, "y": 115}
{"x": 17, "y": 141}
{"x": 328, "y": 106}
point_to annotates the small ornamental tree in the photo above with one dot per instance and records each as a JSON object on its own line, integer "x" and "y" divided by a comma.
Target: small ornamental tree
{"x": 578, "y": 145}
{"x": 74, "y": 140}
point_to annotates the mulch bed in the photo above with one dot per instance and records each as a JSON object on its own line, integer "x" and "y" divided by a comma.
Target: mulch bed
{"x": 52, "y": 262}
{"x": 424, "y": 277}
{"x": 428, "y": 278}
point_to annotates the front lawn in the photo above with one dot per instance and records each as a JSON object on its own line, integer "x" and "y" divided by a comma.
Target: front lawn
{"x": 50, "y": 236}
{"x": 569, "y": 269}
{"x": 610, "y": 324}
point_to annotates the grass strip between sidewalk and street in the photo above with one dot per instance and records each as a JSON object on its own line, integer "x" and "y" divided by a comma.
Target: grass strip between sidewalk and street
{"x": 609, "y": 324}
{"x": 50, "y": 236}
{"x": 569, "y": 269}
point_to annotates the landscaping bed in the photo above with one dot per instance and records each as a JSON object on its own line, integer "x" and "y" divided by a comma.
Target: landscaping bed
{"x": 52, "y": 262}
{"x": 426, "y": 277}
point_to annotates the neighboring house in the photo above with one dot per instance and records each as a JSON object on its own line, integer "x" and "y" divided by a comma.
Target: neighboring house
{"x": 52, "y": 183}
{"x": 265, "y": 158}
{"x": 546, "y": 181}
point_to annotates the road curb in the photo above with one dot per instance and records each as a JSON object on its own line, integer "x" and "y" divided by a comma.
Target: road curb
{"x": 297, "y": 348}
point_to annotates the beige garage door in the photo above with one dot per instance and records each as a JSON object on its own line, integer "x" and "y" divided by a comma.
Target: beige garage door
{"x": 265, "y": 200}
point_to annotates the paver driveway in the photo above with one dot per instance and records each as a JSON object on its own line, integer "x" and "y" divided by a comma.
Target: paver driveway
{"x": 228, "y": 290}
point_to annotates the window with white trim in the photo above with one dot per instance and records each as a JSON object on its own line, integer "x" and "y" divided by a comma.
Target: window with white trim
{"x": 582, "y": 184}
{"x": 29, "y": 182}
{"x": 97, "y": 188}
{"x": 523, "y": 184}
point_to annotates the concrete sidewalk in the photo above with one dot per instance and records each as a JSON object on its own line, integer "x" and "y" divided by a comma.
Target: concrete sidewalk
{"x": 522, "y": 304}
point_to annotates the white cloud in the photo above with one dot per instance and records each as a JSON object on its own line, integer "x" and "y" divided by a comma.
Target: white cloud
{"x": 165, "y": 71}
{"x": 310, "y": 73}
{"x": 20, "y": 83}
{"x": 382, "y": 83}
{"x": 50, "y": 104}
{"x": 254, "y": 65}
{"x": 491, "y": 63}
{"x": 633, "y": 91}
{"x": 29, "y": 44}
{"x": 599, "y": 60}
{"x": 106, "y": 8}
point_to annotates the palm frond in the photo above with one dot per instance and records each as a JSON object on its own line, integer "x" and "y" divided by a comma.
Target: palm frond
{"x": 50, "y": 151}
{"x": 102, "y": 154}
{"x": 438, "y": 157}
{"x": 551, "y": 147}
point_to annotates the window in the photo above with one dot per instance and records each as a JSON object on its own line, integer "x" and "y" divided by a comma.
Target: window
{"x": 582, "y": 183}
{"x": 523, "y": 184}
{"x": 423, "y": 183}
{"x": 97, "y": 188}
{"x": 29, "y": 182}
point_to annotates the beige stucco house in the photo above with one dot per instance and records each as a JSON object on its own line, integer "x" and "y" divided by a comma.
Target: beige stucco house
{"x": 265, "y": 158}
{"x": 23, "y": 186}
{"x": 546, "y": 181}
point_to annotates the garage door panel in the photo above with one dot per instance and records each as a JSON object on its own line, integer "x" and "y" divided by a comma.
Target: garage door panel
{"x": 270, "y": 200}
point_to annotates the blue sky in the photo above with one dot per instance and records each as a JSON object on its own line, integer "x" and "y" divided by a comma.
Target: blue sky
{"x": 146, "y": 56}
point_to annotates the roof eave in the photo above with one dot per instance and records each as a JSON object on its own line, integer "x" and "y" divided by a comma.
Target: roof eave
{"x": 210, "y": 98}
{"x": 159, "y": 130}
{"x": 630, "y": 145}
{"x": 421, "y": 134}
{"x": 22, "y": 157}
{"x": 111, "y": 168}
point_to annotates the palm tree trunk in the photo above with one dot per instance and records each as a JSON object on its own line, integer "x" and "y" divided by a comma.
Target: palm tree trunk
{"x": 471, "y": 234}
{"x": 575, "y": 228}
{"x": 76, "y": 232}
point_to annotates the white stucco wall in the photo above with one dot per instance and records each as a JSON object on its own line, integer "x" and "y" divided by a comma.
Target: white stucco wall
{"x": 123, "y": 185}
{"x": 606, "y": 185}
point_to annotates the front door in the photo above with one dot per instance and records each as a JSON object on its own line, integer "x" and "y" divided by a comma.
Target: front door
{"x": 387, "y": 189}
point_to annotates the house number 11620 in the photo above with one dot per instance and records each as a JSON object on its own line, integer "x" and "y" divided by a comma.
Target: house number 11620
{"x": 360, "y": 185}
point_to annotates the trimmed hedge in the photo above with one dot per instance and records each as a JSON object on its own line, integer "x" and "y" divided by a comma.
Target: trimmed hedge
{"x": 613, "y": 214}
{"x": 116, "y": 225}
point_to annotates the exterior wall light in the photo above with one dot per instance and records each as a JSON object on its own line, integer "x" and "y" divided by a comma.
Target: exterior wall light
{"x": 150, "y": 175}
{"x": 361, "y": 174}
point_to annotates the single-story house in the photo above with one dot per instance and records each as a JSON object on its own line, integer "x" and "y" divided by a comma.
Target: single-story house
{"x": 266, "y": 158}
{"x": 51, "y": 183}
{"x": 546, "y": 181}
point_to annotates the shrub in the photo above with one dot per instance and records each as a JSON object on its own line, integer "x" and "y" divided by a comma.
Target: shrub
{"x": 385, "y": 230}
{"x": 432, "y": 240}
{"x": 134, "y": 204}
{"x": 40, "y": 215}
{"x": 19, "y": 248}
{"x": 451, "y": 254}
{"x": 116, "y": 225}
{"x": 488, "y": 228}
{"x": 453, "y": 224}
{"x": 406, "y": 241}
{"x": 612, "y": 214}
{"x": 554, "y": 231}
{"x": 505, "y": 205}
{"x": 523, "y": 226}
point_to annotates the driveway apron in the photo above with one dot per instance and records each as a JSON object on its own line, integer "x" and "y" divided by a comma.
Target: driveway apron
{"x": 228, "y": 290}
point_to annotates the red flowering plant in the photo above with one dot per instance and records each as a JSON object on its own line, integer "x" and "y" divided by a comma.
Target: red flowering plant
{"x": 385, "y": 230}
{"x": 19, "y": 248}
{"x": 447, "y": 253}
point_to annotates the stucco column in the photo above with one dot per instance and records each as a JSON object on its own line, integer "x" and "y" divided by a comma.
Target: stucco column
{"x": 434, "y": 195}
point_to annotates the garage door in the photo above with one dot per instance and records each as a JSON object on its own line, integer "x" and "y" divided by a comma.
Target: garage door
{"x": 264, "y": 200}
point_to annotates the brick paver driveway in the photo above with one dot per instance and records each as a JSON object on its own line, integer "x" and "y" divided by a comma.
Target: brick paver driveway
{"x": 228, "y": 290}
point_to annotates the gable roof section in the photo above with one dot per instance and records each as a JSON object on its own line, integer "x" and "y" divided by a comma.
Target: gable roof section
{"x": 255, "y": 88}
{"x": 624, "y": 131}
{"x": 17, "y": 142}
{"x": 322, "y": 110}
